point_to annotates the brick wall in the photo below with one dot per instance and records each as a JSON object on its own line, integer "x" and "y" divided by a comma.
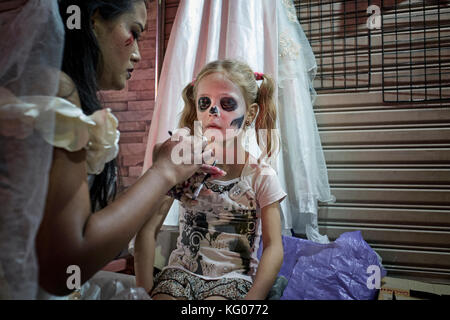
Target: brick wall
{"x": 134, "y": 106}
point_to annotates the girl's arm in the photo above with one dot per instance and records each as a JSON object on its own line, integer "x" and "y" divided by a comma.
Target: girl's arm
{"x": 272, "y": 256}
{"x": 145, "y": 245}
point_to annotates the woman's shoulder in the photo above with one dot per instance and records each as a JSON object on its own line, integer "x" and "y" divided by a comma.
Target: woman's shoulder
{"x": 74, "y": 130}
{"x": 67, "y": 89}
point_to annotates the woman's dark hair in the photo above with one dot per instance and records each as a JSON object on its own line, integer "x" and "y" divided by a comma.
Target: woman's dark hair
{"x": 81, "y": 61}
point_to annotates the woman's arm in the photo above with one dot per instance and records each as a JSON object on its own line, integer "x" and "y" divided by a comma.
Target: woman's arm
{"x": 70, "y": 234}
{"x": 272, "y": 256}
{"x": 145, "y": 245}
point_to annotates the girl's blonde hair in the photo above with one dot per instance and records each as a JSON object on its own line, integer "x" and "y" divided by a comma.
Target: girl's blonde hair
{"x": 244, "y": 77}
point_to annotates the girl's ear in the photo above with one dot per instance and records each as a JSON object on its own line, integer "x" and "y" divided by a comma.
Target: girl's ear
{"x": 252, "y": 114}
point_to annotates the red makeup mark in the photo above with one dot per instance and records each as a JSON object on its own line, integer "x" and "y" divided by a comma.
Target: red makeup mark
{"x": 129, "y": 41}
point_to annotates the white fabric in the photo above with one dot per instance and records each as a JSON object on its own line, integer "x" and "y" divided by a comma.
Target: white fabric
{"x": 24, "y": 135}
{"x": 303, "y": 165}
{"x": 31, "y": 46}
{"x": 72, "y": 131}
{"x": 219, "y": 236}
{"x": 104, "y": 285}
{"x": 266, "y": 35}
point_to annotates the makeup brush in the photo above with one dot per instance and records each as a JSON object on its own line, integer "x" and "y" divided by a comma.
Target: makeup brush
{"x": 200, "y": 187}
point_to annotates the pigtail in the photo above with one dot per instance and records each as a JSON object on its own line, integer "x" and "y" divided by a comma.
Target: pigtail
{"x": 267, "y": 117}
{"x": 188, "y": 116}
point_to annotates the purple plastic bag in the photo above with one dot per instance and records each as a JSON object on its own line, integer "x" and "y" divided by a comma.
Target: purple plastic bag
{"x": 334, "y": 271}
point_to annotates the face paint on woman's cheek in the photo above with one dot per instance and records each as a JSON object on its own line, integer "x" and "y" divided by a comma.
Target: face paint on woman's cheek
{"x": 129, "y": 41}
{"x": 237, "y": 122}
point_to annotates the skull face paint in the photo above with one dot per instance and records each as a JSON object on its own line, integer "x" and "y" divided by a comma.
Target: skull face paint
{"x": 237, "y": 122}
{"x": 204, "y": 103}
{"x": 228, "y": 104}
{"x": 214, "y": 111}
{"x": 221, "y": 106}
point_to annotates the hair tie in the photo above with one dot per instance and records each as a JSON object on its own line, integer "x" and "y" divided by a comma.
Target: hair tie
{"x": 193, "y": 81}
{"x": 259, "y": 76}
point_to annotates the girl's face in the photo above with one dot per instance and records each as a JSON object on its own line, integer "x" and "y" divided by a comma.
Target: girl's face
{"x": 118, "y": 44}
{"x": 220, "y": 106}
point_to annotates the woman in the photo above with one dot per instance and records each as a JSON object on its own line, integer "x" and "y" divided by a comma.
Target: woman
{"x": 99, "y": 56}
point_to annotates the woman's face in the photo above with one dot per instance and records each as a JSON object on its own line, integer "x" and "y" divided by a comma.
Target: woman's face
{"x": 220, "y": 107}
{"x": 118, "y": 44}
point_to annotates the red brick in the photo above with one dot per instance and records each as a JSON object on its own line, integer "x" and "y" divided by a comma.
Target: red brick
{"x": 146, "y": 95}
{"x": 132, "y": 137}
{"x": 127, "y": 140}
{"x": 132, "y": 126}
{"x": 117, "y": 106}
{"x": 146, "y": 44}
{"x": 118, "y": 96}
{"x": 132, "y": 116}
{"x": 132, "y": 134}
{"x": 136, "y": 149}
{"x": 132, "y": 160}
{"x": 147, "y": 53}
{"x": 144, "y": 105}
{"x": 145, "y": 63}
{"x": 123, "y": 171}
{"x": 140, "y": 85}
{"x": 143, "y": 74}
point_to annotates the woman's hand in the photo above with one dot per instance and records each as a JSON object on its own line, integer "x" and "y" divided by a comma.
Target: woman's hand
{"x": 179, "y": 157}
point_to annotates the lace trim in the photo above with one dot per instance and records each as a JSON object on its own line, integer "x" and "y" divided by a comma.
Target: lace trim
{"x": 289, "y": 49}
{"x": 219, "y": 188}
{"x": 290, "y": 11}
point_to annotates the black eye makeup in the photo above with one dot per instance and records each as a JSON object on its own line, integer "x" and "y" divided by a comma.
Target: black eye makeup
{"x": 136, "y": 35}
{"x": 228, "y": 104}
{"x": 204, "y": 103}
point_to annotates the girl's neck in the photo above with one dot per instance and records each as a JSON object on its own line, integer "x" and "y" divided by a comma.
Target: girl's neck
{"x": 231, "y": 159}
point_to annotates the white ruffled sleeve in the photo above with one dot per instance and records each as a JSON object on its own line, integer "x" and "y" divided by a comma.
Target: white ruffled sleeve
{"x": 96, "y": 133}
{"x": 72, "y": 131}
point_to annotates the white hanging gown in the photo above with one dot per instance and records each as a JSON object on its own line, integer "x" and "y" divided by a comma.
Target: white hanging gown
{"x": 272, "y": 43}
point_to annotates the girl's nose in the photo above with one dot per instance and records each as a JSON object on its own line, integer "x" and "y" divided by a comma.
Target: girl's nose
{"x": 214, "y": 111}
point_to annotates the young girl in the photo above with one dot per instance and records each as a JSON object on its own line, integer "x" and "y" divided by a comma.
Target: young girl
{"x": 220, "y": 231}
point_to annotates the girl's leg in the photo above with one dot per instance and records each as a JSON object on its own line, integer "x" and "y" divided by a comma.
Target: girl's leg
{"x": 161, "y": 296}
{"x": 225, "y": 289}
{"x": 216, "y": 298}
{"x": 172, "y": 284}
